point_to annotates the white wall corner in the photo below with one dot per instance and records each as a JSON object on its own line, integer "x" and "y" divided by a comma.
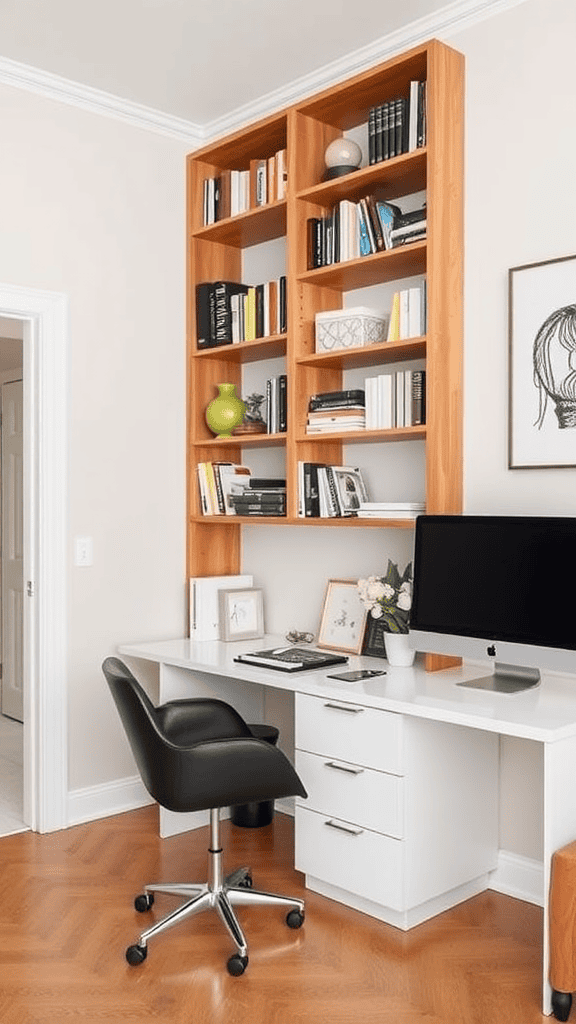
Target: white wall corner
{"x": 453, "y": 18}
{"x": 442, "y": 24}
{"x": 102, "y": 801}
{"x": 520, "y": 877}
{"x": 96, "y": 101}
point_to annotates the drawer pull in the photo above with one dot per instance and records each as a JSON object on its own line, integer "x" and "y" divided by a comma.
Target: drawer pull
{"x": 341, "y": 707}
{"x": 344, "y": 768}
{"x": 344, "y": 828}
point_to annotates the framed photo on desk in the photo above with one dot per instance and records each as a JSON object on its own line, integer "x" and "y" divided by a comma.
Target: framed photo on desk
{"x": 343, "y": 618}
{"x": 241, "y": 614}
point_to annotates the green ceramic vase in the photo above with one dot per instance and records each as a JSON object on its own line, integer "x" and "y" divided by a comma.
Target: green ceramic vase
{"x": 226, "y": 411}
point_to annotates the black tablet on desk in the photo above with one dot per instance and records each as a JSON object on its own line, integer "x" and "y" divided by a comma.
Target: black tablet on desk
{"x": 291, "y": 659}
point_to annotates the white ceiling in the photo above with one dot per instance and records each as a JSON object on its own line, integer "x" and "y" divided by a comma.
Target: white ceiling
{"x": 197, "y": 59}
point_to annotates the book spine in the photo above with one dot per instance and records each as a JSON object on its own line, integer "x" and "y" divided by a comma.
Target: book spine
{"x": 282, "y": 403}
{"x": 203, "y": 319}
{"x": 336, "y": 509}
{"x": 372, "y": 135}
{"x": 283, "y": 304}
{"x": 418, "y": 397}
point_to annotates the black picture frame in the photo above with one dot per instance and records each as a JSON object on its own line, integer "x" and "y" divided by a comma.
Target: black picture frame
{"x": 374, "y": 644}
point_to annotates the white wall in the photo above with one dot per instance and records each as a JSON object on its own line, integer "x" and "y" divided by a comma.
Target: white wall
{"x": 93, "y": 208}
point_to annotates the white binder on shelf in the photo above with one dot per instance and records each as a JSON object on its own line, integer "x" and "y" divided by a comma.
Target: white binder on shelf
{"x": 204, "y": 608}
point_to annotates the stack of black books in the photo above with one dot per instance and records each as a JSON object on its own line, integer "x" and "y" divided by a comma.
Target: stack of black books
{"x": 261, "y": 496}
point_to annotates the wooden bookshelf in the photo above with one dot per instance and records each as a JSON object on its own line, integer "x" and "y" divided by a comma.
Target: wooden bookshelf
{"x": 217, "y": 251}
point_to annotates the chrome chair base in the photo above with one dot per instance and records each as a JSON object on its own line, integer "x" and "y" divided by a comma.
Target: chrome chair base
{"x": 219, "y": 894}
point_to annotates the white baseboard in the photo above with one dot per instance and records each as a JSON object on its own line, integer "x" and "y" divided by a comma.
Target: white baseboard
{"x": 520, "y": 877}
{"x": 110, "y": 798}
{"x": 123, "y": 795}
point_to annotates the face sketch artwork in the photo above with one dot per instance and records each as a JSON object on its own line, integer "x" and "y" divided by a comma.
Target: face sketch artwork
{"x": 554, "y": 358}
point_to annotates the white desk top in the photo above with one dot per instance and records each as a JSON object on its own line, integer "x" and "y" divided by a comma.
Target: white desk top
{"x": 546, "y": 713}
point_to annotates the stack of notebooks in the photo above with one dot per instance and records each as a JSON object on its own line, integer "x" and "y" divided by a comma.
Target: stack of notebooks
{"x": 336, "y": 411}
{"x": 390, "y": 509}
{"x": 259, "y": 496}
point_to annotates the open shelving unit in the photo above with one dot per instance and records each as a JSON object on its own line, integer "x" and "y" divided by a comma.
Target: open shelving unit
{"x": 218, "y": 252}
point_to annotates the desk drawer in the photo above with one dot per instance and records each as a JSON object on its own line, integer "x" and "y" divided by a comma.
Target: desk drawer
{"x": 341, "y": 729}
{"x": 367, "y": 797}
{"x": 357, "y": 860}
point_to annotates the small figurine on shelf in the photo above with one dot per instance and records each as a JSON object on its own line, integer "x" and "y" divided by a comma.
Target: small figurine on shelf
{"x": 253, "y": 421}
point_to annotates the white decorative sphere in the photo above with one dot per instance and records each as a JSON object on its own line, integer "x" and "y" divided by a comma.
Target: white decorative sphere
{"x": 343, "y": 153}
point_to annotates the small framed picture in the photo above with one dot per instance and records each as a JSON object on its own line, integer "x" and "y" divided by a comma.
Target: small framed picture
{"x": 343, "y": 618}
{"x": 241, "y": 614}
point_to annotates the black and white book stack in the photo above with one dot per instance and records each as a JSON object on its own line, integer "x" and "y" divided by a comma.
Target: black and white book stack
{"x": 335, "y": 411}
{"x": 328, "y": 492}
{"x": 408, "y": 227}
{"x": 259, "y": 496}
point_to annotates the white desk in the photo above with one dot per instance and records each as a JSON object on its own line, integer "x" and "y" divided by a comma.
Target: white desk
{"x": 436, "y": 780}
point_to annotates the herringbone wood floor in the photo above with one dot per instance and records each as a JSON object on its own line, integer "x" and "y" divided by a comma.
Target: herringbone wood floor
{"x": 66, "y": 917}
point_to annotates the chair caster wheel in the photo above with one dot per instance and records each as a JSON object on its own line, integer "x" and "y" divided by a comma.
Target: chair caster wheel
{"x": 144, "y": 902}
{"x": 136, "y": 955}
{"x": 246, "y": 882}
{"x": 295, "y": 919}
{"x": 561, "y": 1004}
{"x": 237, "y": 965}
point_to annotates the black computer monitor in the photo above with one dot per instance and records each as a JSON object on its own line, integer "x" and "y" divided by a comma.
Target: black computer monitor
{"x": 497, "y": 587}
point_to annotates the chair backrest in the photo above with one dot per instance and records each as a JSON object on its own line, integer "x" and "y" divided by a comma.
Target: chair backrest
{"x": 140, "y": 721}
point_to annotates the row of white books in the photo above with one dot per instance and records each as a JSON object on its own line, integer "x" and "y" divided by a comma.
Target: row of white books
{"x": 396, "y": 399}
{"x": 390, "y": 509}
{"x": 408, "y": 313}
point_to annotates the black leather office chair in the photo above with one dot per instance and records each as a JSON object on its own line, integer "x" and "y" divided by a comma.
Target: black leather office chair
{"x": 195, "y": 755}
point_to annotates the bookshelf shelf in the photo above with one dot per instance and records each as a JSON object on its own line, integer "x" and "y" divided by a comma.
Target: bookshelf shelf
{"x": 227, "y": 250}
{"x": 367, "y": 436}
{"x": 387, "y": 352}
{"x": 402, "y": 174}
{"x": 248, "y": 351}
{"x": 247, "y": 229}
{"x": 406, "y": 261}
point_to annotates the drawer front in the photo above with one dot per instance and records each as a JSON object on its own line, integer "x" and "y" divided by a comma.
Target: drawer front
{"x": 336, "y": 728}
{"x": 367, "y": 797}
{"x": 357, "y": 860}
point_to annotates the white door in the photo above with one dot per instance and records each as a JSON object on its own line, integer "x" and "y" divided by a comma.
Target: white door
{"x": 12, "y": 551}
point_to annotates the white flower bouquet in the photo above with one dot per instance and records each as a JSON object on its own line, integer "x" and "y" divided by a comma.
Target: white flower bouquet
{"x": 389, "y": 597}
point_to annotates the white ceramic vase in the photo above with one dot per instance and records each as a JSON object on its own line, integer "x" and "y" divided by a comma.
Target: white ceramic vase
{"x": 398, "y": 650}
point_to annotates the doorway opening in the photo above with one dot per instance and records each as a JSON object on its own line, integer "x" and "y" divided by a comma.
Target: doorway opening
{"x": 11, "y": 579}
{"x": 42, "y": 318}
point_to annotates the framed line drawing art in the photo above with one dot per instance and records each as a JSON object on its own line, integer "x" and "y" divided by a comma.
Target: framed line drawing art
{"x": 542, "y": 365}
{"x": 241, "y": 614}
{"x": 343, "y": 618}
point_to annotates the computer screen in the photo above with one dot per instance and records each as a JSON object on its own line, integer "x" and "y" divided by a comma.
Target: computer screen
{"x": 497, "y": 587}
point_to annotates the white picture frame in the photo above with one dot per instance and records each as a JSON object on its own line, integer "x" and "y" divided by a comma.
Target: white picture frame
{"x": 241, "y": 614}
{"x": 343, "y": 618}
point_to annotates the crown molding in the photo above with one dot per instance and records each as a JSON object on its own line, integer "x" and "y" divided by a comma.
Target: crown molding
{"x": 444, "y": 23}
{"x": 43, "y": 83}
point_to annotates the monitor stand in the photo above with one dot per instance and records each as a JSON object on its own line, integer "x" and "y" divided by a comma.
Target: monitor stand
{"x": 506, "y": 679}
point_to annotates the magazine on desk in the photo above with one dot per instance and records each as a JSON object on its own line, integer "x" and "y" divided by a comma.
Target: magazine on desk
{"x": 291, "y": 659}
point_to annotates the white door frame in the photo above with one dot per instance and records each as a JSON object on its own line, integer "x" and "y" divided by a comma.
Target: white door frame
{"x": 45, "y": 344}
